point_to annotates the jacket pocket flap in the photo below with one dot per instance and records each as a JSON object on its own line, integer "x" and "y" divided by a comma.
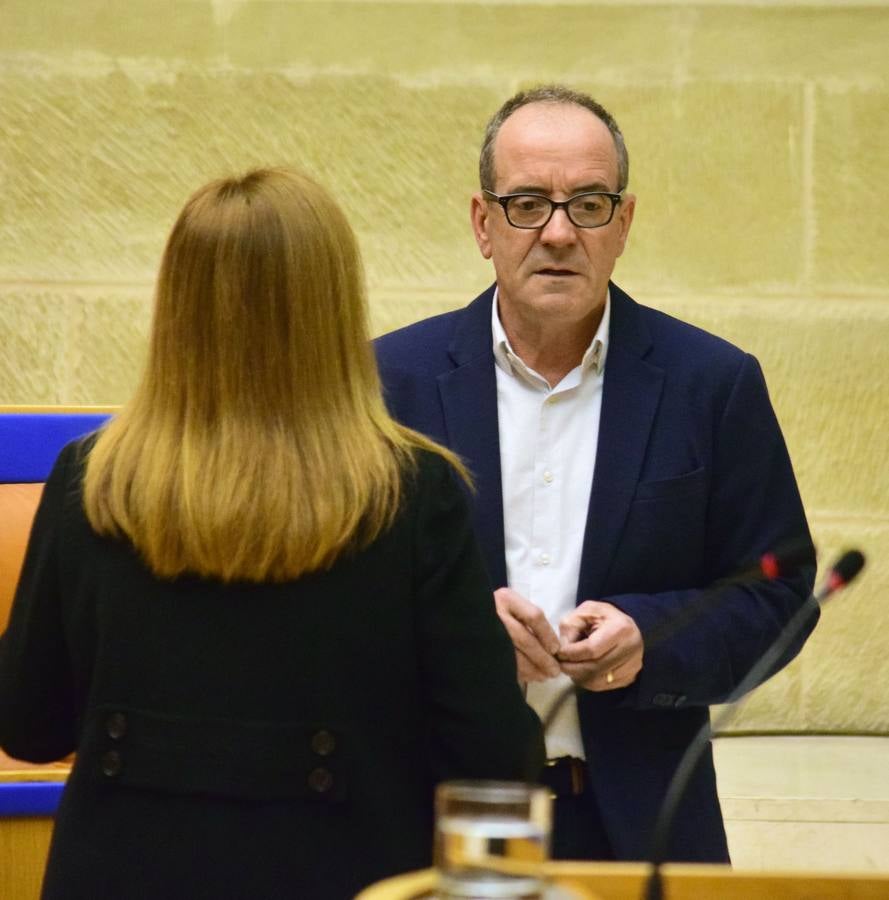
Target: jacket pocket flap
{"x": 689, "y": 483}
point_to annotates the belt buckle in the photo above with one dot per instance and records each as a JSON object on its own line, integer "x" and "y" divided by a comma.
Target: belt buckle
{"x": 576, "y": 773}
{"x": 551, "y": 764}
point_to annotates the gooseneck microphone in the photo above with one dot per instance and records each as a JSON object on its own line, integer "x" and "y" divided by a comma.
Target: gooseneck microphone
{"x": 787, "y": 559}
{"x": 844, "y": 570}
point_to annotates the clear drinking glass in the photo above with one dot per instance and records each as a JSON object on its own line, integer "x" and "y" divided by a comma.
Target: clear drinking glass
{"x": 491, "y": 840}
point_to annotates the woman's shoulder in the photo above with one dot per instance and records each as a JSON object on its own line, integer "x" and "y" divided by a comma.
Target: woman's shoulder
{"x": 435, "y": 490}
{"x": 70, "y": 464}
{"x": 429, "y": 470}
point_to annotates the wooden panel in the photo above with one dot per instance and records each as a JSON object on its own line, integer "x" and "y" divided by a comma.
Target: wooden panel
{"x": 44, "y": 408}
{"x": 24, "y": 843}
{"x": 16, "y": 771}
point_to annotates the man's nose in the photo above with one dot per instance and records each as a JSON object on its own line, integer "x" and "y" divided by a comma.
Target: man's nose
{"x": 560, "y": 230}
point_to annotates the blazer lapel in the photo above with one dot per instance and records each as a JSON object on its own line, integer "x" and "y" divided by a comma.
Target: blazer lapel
{"x": 469, "y": 401}
{"x": 631, "y": 394}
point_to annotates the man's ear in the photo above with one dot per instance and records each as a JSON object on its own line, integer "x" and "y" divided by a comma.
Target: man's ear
{"x": 478, "y": 214}
{"x": 625, "y": 218}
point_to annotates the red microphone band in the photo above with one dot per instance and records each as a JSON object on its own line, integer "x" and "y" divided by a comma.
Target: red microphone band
{"x": 769, "y": 566}
{"x": 835, "y": 581}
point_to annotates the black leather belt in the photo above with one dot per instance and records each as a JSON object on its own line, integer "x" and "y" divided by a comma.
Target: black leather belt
{"x": 565, "y": 776}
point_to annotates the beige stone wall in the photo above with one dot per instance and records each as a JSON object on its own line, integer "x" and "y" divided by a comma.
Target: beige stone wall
{"x": 758, "y": 142}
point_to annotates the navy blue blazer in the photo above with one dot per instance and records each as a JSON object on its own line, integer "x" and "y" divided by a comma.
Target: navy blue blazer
{"x": 692, "y": 483}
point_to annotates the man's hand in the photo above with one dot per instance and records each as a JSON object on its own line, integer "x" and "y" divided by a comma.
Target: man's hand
{"x": 532, "y": 636}
{"x": 601, "y": 648}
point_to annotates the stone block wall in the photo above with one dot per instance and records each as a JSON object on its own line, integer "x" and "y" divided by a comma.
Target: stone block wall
{"x": 757, "y": 138}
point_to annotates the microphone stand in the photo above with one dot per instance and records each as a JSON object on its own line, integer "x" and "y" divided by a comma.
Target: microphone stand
{"x": 841, "y": 574}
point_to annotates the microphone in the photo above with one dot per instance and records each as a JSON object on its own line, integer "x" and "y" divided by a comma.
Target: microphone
{"x": 786, "y": 559}
{"x": 845, "y": 570}
{"x": 842, "y": 573}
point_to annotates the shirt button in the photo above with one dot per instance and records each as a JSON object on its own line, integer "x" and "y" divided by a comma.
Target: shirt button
{"x": 548, "y": 477}
{"x": 544, "y": 559}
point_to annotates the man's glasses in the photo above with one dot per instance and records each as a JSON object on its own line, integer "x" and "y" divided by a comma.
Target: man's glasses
{"x": 592, "y": 209}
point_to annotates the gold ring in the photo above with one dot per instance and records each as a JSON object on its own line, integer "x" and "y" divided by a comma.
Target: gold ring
{"x": 609, "y": 678}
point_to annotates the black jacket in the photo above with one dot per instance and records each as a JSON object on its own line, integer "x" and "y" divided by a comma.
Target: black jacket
{"x": 257, "y": 741}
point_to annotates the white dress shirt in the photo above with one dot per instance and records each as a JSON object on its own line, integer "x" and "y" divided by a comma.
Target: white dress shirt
{"x": 548, "y": 441}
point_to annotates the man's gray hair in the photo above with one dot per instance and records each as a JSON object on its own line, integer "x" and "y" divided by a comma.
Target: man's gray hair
{"x": 557, "y": 94}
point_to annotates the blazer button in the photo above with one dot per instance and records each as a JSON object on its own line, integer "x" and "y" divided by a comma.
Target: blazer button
{"x": 320, "y": 780}
{"x": 111, "y": 763}
{"x": 663, "y": 700}
{"x": 116, "y": 726}
{"x": 323, "y": 743}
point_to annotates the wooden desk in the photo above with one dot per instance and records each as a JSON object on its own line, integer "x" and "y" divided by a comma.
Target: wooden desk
{"x": 625, "y": 881}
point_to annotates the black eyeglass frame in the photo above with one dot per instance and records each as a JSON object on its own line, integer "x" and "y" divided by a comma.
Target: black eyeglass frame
{"x": 503, "y": 200}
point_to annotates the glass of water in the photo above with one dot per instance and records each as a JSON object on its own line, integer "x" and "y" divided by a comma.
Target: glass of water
{"x": 491, "y": 840}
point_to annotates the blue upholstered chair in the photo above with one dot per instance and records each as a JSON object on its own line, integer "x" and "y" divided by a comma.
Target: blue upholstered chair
{"x": 30, "y": 441}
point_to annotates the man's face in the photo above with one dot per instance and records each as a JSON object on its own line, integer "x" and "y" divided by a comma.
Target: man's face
{"x": 557, "y": 274}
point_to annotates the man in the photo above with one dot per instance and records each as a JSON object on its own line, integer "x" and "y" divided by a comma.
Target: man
{"x": 624, "y": 461}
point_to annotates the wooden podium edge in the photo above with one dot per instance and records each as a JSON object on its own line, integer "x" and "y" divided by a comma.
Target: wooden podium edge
{"x": 682, "y": 881}
{"x": 408, "y": 886}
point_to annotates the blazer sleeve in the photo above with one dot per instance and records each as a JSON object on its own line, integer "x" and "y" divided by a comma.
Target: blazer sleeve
{"x": 479, "y": 725}
{"x": 37, "y": 709}
{"x": 754, "y": 506}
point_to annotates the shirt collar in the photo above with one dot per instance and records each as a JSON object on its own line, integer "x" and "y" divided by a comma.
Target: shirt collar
{"x": 507, "y": 359}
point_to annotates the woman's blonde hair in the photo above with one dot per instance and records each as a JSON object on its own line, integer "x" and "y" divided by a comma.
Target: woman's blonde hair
{"x": 257, "y": 446}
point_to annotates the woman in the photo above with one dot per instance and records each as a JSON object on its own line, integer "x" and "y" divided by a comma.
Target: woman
{"x": 252, "y": 604}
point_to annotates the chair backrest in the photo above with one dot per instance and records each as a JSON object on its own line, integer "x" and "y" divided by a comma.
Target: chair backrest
{"x": 30, "y": 441}
{"x": 18, "y": 502}
{"x": 31, "y": 437}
